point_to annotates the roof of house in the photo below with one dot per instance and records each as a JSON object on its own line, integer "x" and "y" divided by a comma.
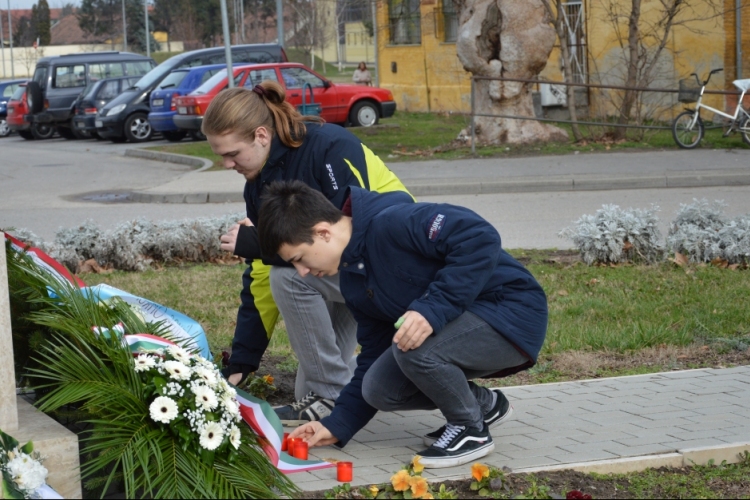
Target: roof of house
{"x": 68, "y": 32}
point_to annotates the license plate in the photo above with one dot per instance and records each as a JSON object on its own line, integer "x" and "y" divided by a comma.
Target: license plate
{"x": 158, "y": 102}
{"x": 182, "y": 110}
{"x": 98, "y": 123}
{"x": 80, "y": 124}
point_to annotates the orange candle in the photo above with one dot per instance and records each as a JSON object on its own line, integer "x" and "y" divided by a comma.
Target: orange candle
{"x": 300, "y": 450}
{"x": 284, "y": 443}
{"x": 344, "y": 472}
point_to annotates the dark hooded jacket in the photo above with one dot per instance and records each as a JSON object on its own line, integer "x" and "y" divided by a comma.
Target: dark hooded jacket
{"x": 329, "y": 160}
{"x": 436, "y": 259}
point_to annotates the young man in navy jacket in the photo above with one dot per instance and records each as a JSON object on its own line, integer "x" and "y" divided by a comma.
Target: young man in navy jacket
{"x": 437, "y": 302}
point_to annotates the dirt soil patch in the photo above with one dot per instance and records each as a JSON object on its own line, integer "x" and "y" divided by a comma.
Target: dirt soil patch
{"x": 663, "y": 482}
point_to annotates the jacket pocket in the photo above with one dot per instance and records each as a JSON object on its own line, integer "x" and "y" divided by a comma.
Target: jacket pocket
{"x": 421, "y": 282}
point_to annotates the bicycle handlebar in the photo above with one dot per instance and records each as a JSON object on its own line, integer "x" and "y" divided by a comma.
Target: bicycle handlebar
{"x": 717, "y": 70}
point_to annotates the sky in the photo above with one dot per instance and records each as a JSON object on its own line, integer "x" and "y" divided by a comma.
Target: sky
{"x": 27, "y": 4}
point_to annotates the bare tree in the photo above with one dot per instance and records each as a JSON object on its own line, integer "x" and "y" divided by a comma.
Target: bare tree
{"x": 645, "y": 41}
{"x": 556, "y": 12}
{"x": 506, "y": 38}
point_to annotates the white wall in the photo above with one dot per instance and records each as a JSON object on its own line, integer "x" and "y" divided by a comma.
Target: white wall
{"x": 24, "y": 58}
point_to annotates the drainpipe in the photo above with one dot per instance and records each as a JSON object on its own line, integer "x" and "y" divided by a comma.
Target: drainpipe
{"x": 375, "y": 40}
{"x": 738, "y": 38}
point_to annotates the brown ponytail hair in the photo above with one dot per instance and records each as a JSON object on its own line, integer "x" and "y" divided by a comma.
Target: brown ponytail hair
{"x": 243, "y": 110}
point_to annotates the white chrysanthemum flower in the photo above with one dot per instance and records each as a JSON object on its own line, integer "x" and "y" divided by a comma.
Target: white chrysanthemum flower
{"x": 212, "y": 436}
{"x": 163, "y": 410}
{"x": 179, "y": 354}
{"x": 205, "y": 397}
{"x": 206, "y": 375}
{"x": 28, "y": 474}
{"x": 177, "y": 370}
{"x": 144, "y": 362}
{"x": 231, "y": 406}
{"x": 234, "y": 436}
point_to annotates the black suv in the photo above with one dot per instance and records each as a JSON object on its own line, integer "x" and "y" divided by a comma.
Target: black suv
{"x": 94, "y": 97}
{"x": 59, "y": 80}
{"x": 125, "y": 118}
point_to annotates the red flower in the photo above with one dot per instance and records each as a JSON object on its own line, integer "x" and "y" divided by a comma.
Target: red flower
{"x": 577, "y": 495}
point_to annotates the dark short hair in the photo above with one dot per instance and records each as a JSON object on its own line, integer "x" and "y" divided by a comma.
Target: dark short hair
{"x": 289, "y": 211}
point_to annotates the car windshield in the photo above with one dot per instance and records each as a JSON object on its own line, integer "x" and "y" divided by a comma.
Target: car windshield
{"x": 18, "y": 93}
{"x": 173, "y": 79}
{"x": 156, "y": 74}
{"x": 211, "y": 82}
{"x": 88, "y": 88}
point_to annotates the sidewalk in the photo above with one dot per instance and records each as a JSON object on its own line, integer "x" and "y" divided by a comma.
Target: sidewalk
{"x": 571, "y": 172}
{"x": 614, "y": 424}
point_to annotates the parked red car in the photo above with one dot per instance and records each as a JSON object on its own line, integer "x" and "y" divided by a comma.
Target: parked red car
{"x": 17, "y": 108}
{"x": 343, "y": 104}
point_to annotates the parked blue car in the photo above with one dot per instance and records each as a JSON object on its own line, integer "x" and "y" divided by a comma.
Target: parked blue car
{"x": 179, "y": 82}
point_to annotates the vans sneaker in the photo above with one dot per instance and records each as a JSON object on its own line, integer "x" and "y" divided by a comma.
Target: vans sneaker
{"x": 499, "y": 413}
{"x": 458, "y": 445}
{"x": 308, "y": 409}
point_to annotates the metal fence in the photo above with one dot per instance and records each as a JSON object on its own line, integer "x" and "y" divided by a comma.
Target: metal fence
{"x": 474, "y": 113}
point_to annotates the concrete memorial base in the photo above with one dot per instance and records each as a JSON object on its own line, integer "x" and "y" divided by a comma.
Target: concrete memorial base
{"x": 56, "y": 444}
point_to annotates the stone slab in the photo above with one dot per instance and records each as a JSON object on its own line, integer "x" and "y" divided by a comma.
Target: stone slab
{"x": 56, "y": 444}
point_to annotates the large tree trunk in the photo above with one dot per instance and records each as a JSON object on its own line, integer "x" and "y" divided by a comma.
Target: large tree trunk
{"x": 512, "y": 39}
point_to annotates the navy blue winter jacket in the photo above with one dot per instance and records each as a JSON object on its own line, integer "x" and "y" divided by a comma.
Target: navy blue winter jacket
{"x": 439, "y": 260}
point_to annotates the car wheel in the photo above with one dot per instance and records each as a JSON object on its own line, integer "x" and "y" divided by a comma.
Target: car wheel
{"x": 42, "y": 130}
{"x": 137, "y": 128}
{"x": 26, "y": 135}
{"x": 34, "y": 98}
{"x": 197, "y": 135}
{"x": 66, "y": 133}
{"x": 364, "y": 114}
{"x": 174, "y": 136}
{"x": 4, "y": 128}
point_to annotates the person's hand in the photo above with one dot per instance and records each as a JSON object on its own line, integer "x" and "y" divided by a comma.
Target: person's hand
{"x": 315, "y": 434}
{"x": 229, "y": 239}
{"x": 235, "y": 378}
{"x": 414, "y": 330}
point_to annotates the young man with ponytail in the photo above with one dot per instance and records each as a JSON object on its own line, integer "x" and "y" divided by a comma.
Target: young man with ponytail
{"x": 265, "y": 139}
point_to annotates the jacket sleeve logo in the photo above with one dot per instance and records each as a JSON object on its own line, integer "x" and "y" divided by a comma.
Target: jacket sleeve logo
{"x": 333, "y": 178}
{"x": 436, "y": 225}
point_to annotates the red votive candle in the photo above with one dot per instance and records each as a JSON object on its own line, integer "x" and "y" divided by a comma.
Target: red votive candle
{"x": 300, "y": 450}
{"x": 344, "y": 472}
{"x": 284, "y": 443}
{"x": 291, "y": 443}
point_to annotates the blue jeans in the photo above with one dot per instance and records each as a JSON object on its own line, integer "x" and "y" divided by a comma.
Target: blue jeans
{"x": 437, "y": 374}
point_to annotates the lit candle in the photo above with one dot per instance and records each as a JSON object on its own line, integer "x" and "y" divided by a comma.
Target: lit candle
{"x": 300, "y": 450}
{"x": 291, "y": 443}
{"x": 284, "y": 443}
{"x": 344, "y": 472}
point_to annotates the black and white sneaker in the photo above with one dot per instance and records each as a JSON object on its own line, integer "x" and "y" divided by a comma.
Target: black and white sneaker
{"x": 458, "y": 445}
{"x": 308, "y": 409}
{"x": 499, "y": 413}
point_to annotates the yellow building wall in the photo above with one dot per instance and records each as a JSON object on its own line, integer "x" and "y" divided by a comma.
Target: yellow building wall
{"x": 430, "y": 77}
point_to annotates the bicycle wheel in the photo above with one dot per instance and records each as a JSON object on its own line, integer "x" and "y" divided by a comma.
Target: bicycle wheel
{"x": 745, "y": 130}
{"x": 684, "y": 136}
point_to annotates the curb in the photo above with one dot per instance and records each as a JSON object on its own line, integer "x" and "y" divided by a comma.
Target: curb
{"x": 194, "y": 161}
{"x": 489, "y": 186}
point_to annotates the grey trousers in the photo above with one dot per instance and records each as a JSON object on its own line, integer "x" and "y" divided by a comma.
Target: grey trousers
{"x": 321, "y": 330}
{"x": 437, "y": 374}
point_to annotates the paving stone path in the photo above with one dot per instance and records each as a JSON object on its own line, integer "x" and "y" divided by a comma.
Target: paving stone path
{"x": 566, "y": 423}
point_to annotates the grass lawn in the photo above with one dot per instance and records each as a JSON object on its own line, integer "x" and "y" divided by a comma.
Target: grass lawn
{"x": 421, "y": 136}
{"x": 633, "y": 313}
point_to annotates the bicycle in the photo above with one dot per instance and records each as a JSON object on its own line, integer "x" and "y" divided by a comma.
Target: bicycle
{"x": 687, "y": 128}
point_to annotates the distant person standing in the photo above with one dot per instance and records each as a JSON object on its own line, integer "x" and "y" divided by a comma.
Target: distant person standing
{"x": 362, "y": 75}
